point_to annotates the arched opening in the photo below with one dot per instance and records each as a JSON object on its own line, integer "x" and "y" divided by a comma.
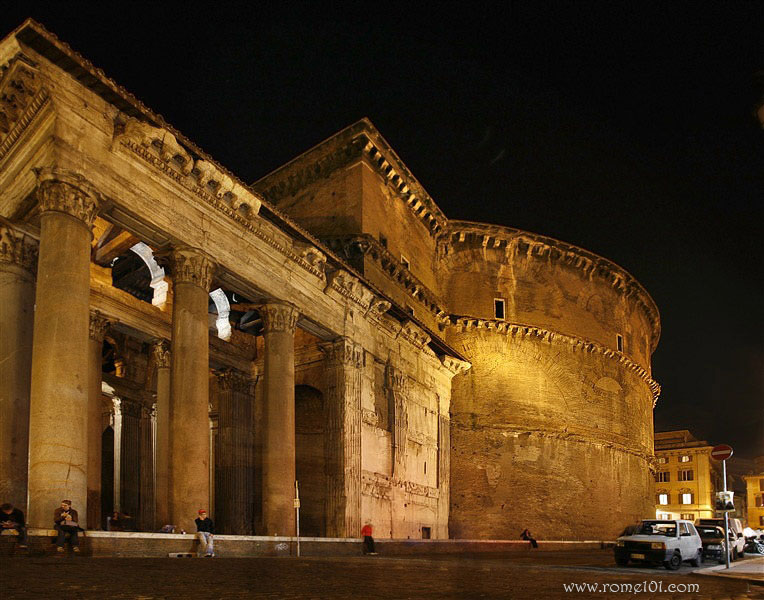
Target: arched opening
{"x": 310, "y": 461}
{"x": 130, "y": 273}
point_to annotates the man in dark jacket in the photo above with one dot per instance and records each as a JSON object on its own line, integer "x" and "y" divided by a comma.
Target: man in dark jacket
{"x": 13, "y": 518}
{"x": 205, "y": 531}
{"x": 66, "y": 522}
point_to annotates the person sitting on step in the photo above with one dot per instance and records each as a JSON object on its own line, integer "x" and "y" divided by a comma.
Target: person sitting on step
{"x": 66, "y": 522}
{"x": 12, "y": 519}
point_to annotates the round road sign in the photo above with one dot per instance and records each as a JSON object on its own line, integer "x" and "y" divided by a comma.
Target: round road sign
{"x": 721, "y": 452}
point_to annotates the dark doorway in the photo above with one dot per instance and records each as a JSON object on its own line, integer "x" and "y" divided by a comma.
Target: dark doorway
{"x": 107, "y": 474}
{"x": 426, "y": 533}
{"x": 309, "y": 457}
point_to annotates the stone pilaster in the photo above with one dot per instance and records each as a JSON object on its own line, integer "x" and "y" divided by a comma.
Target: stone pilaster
{"x": 160, "y": 357}
{"x": 342, "y": 441}
{"x": 234, "y": 454}
{"x": 59, "y": 392}
{"x": 130, "y": 459}
{"x": 147, "y": 510}
{"x": 189, "y": 480}
{"x": 279, "y": 321}
{"x": 98, "y": 327}
{"x": 397, "y": 390}
{"x": 18, "y": 261}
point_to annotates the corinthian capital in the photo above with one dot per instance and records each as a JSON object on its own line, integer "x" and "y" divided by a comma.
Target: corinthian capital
{"x": 236, "y": 381}
{"x": 278, "y": 316}
{"x": 160, "y": 354}
{"x": 70, "y": 193}
{"x": 190, "y": 265}
{"x": 17, "y": 248}
{"x": 343, "y": 351}
{"x": 98, "y": 325}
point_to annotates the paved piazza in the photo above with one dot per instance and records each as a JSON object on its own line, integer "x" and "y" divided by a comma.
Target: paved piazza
{"x": 541, "y": 575}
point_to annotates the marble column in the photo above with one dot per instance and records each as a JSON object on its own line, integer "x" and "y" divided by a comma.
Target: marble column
{"x": 160, "y": 353}
{"x": 59, "y": 392}
{"x": 130, "y": 459}
{"x": 189, "y": 387}
{"x": 147, "y": 509}
{"x": 234, "y": 454}
{"x": 279, "y": 322}
{"x": 342, "y": 442}
{"x": 98, "y": 326}
{"x": 18, "y": 261}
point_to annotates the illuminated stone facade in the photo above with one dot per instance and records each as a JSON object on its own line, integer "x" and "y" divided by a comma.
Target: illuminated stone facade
{"x": 213, "y": 342}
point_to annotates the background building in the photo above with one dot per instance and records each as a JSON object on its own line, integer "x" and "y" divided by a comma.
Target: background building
{"x": 755, "y": 494}
{"x": 686, "y": 478}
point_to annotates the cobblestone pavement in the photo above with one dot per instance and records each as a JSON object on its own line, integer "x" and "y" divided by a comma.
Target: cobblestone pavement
{"x": 537, "y": 576}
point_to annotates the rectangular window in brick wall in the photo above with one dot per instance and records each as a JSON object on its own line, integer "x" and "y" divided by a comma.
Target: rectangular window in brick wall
{"x": 686, "y": 475}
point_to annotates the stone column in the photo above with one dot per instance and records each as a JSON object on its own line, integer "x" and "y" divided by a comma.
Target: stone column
{"x": 160, "y": 353}
{"x": 98, "y": 327}
{"x": 279, "y": 322}
{"x": 189, "y": 388}
{"x": 397, "y": 389}
{"x": 147, "y": 510}
{"x": 18, "y": 261}
{"x": 130, "y": 459}
{"x": 233, "y": 454}
{"x": 342, "y": 403}
{"x": 59, "y": 392}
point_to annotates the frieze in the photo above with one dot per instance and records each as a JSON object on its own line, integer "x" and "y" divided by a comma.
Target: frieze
{"x": 18, "y": 248}
{"x": 376, "y": 485}
{"x": 64, "y": 191}
{"x": 517, "y": 243}
{"x": 21, "y": 99}
{"x": 279, "y": 317}
{"x": 190, "y": 265}
{"x": 99, "y": 325}
{"x": 575, "y": 343}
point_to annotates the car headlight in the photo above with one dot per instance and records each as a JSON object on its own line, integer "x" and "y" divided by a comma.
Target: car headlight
{"x": 658, "y": 546}
{"x": 620, "y": 543}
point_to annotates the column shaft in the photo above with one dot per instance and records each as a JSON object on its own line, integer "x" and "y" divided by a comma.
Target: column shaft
{"x": 98, "y": 326}
{"x": 189, "y": 404}
{"x": 279, "y": 427}
{"x": 147, "y": 510}
{"x": 130, "y": 459}
{"x": 59, "y": 392}
{"x": 161, "y": 357}
{"x": 18, "y": 257}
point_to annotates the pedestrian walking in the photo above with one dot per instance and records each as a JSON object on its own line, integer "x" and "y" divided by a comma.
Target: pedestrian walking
{"x": 205, "y": 532}
{"x": 368, "y": 540}
{"x": 67, "y": 524}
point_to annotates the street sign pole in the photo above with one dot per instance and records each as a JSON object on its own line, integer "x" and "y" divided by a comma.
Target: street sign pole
{"x": 726, "y": 518}
{"x": 297, "y": 514}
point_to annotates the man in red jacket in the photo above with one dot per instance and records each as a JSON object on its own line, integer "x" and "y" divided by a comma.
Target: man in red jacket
{"x": 368, "y": 541}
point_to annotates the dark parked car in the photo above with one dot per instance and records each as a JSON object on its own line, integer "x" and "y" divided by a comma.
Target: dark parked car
{"x": 714, "y": 546}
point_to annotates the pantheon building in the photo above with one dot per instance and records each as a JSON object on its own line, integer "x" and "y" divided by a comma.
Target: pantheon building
{"x": 173, "y": 338}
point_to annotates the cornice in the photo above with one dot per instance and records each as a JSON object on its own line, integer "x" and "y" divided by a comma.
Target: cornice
{"x": 353, "y": 246}
{"x": 462, "y": 323}
{"x": 518, "y": 243}
{"x": 22, "y": 97}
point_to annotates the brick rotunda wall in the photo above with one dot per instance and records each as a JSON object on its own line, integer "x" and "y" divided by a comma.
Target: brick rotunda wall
{"x": 552, "y": 427}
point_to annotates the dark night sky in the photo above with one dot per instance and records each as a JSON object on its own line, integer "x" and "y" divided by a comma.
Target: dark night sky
{"x": 628, "y": 131}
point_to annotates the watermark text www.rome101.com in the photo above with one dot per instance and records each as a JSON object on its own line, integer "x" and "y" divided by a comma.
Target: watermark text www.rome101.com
{"x": 642, "y": 587}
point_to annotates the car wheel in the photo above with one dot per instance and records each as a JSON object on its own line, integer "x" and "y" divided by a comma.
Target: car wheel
{"x": 674, "y": 562}
{"x": 698, "y": 559}
{"x": 622, "y": 562}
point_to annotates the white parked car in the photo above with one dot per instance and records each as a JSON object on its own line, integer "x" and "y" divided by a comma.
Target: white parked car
{"x": 737, "y": 541}
{"x": 661, "y": 542}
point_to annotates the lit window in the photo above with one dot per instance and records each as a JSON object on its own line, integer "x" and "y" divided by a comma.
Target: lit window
{"x": 685, "y": 458}
{"x": 688, "y": 516}
{"x": 405, "y": 262}
{"x": 663, "y": 499}
{"x": 619, "y": 342}
{"x": 498, "y": 308}
{"x": 686, "y": 475}
{"x": 686, "y": 498}
{"x": 664, "y": 516}
{"x": 662, "y": 460}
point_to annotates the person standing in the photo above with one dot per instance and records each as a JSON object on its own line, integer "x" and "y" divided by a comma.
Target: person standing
{"x": 205, "y": 531}
{"x": 368, "y": 540}
{"x": 13, "y": 518}
{"x": 67, "y": 523}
